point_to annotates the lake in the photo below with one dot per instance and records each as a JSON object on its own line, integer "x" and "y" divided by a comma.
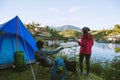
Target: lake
{"x": 102, "y": 51}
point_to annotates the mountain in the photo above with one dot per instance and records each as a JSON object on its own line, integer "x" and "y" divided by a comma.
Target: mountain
{"x": 67, "y": 27}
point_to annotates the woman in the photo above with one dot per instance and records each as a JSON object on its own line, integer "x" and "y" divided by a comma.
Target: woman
{"x": 43, "y": 53}
{"x": 86, "y": 42}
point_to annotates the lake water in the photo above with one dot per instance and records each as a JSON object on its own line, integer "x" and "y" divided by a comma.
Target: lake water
{"x": 103, "y": 51}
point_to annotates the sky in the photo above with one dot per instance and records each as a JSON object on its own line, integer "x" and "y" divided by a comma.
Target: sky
{"x": 95, "y": 14}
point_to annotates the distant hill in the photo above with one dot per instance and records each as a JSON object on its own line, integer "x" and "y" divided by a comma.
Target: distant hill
{"x": 66, "y": 27}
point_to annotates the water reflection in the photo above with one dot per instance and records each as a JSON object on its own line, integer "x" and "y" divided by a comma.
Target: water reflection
{"x": 117, "y": 49}
{"x": 103, "y": 51}
{"x": 111, "y": 46}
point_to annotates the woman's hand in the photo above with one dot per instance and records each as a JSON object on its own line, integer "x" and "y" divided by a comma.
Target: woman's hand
{"x": 77, "y": 41}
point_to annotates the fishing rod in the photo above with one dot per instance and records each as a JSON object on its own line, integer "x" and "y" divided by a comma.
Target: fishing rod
{"x": 76, "y": 71}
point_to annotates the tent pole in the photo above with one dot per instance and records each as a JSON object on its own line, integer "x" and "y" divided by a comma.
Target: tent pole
{"x": 17, "y": 34}
{"x": 33, "y": 74}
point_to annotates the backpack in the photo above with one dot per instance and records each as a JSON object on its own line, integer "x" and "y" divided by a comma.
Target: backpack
{"x": 19, "y": 61}
{"x": 58, "y": 70}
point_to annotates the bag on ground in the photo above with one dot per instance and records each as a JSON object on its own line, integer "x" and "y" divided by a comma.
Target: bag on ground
{"x": 19, "y": 61}
{"x": 58, "y": 71}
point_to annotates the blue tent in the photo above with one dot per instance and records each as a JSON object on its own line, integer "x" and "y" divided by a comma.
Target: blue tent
{"x": 15, "y": 37}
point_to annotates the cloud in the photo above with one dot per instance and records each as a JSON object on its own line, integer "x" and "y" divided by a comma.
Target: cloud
{"x": 63, "y": 19}
{"x": 53, "y": 10}
{"x": 74, "y": 9}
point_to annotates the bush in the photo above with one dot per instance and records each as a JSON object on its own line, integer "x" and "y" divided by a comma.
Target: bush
{"x": 109, "y": 74}
{"x": 96, "y": 68}
{"x": 116, "y": 66}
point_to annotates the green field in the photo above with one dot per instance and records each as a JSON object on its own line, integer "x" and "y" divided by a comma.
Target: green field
{"x": 12, "y": 74}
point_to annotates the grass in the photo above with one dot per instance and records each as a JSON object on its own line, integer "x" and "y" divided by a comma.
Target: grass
{"x": 12, "y": 74}
{"x": 109, "y": 70}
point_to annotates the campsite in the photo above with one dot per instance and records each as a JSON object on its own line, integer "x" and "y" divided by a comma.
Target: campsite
{"x": 13, "y": 39}
{"x": 17, "y": 52}
{"x": 59, "y": 40}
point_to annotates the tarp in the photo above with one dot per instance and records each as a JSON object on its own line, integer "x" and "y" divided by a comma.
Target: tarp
{"x": 15, "y": 37}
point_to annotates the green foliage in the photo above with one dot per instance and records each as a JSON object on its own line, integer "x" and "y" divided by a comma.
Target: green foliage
{"x": 113, "y": 72}
{"x": 103, "y": 34}
{"x": 32, "y": 25}
{"x": 96, "y": 68}
{"x": 116, "y": 27}
{"x": 107, "y": 70}
{"x": 116, "y": 66}
{"x": 55, "y": 34}
{"x": 108, "y": 74}
{"x": 116, "y": 62}
{"x": 47, "y": 28}
{"x": 11, "y": 74}
{"x": 117, "y": 49}
{"x": 70, "y": 33}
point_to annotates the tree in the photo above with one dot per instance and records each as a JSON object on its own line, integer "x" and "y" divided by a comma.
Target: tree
{"x": 117, "y": 28}
{"x": 47, "y": 28}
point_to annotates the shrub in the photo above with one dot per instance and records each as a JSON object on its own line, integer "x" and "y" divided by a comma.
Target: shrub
{"x": 96, "y": 68}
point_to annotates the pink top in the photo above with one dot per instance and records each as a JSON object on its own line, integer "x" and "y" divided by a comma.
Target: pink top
{"x": 86, "y": 44}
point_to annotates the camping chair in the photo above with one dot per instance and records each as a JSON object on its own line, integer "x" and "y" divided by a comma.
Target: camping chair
{"x": 42, "y": 64}
{"x": 71, "y": 67}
